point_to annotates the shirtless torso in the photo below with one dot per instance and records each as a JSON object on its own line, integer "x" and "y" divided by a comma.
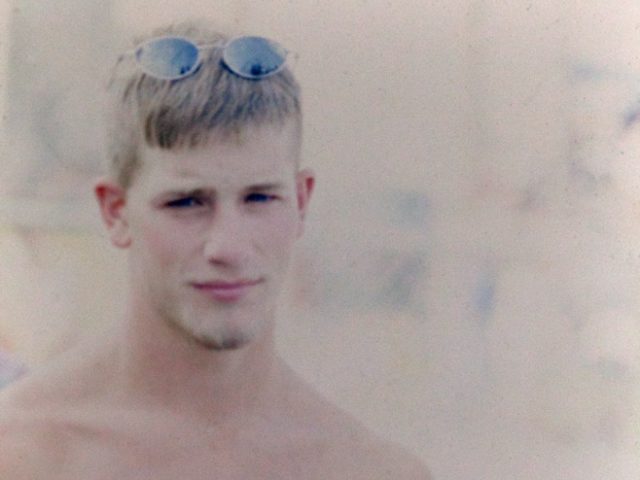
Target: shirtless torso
{"x": 70, "y": 424}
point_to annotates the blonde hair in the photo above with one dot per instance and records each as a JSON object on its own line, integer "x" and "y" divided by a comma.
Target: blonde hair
{"x": 212, "y": 104}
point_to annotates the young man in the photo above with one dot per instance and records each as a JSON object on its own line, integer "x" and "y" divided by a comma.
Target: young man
{"x": 206, "y": 194}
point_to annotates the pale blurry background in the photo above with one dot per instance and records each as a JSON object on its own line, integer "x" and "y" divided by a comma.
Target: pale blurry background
{"x": 468, "y": 283}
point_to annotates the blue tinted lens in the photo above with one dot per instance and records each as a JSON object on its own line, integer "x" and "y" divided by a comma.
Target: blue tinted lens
{"x": 168, "y": 58}
{"x": 254, "y": 57}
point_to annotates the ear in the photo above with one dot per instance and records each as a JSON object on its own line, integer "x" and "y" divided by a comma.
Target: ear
{"x": 112, "y": 200}
{"x": 305, "y": 182}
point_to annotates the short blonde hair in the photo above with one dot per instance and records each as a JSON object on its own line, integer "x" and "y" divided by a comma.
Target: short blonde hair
{"x": 213, "y": 104}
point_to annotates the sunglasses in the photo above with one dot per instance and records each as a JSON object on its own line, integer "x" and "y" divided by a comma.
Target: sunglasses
{"x": 173, "y": 58}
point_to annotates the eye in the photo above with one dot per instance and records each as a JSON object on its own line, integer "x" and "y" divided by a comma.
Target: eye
{"x": 259, "y": 198}
{"x": 185, "y": 202}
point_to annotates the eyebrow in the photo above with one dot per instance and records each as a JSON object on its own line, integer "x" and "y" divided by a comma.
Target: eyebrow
{"x": 191, "y": 192}
{"x": 266, "y": 186}
{"x": 201, "y": 191}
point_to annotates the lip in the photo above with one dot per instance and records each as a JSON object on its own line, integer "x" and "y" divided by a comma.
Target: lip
{"x": 226, "y": 291}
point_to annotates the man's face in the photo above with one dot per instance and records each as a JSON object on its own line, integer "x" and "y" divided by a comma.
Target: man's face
{"x": 211, "y": 232}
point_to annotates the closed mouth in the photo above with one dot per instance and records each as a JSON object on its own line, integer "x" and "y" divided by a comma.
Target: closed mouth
{"x": 226, "y": 291}
{"x": 226, "y": 285}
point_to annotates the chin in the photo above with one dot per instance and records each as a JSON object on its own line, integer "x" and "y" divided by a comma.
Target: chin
{"x": 220, "y": 329}
{"x": 217, "y": 334}
{"x": 220, "y": 343}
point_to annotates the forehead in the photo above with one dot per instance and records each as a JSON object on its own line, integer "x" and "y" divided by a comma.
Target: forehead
{"x": 256, "y": 154}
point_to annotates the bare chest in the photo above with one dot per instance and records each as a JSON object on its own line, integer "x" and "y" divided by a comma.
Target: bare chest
{"x": 177, "y": 457}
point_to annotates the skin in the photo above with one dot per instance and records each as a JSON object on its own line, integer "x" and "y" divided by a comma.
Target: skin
{"x": 189, "y": 385}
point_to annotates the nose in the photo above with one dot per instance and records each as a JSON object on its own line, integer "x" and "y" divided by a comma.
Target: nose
{"x": 226, "y": 240}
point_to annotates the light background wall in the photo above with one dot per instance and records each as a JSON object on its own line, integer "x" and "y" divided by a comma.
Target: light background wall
{"x": 468, "y": 281}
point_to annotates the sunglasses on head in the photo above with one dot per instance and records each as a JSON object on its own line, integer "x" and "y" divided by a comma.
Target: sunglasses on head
{"x": 173, "y": 57}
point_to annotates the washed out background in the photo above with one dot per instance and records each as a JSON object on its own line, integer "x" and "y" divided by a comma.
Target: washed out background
{"x": 468, "y": 283}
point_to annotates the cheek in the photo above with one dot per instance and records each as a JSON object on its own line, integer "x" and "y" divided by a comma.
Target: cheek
{"x": 160, "y": 243}
{"x": 278, "y": 234}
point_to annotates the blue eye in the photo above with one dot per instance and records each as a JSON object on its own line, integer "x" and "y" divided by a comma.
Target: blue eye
{"x": 185, "y": 203}
{"x": 259, "y": 198}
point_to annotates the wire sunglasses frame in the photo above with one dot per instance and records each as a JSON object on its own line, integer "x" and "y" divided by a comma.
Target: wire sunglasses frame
{"x": 176, "y": 57}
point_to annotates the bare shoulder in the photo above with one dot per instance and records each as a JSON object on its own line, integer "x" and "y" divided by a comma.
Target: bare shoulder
{"x": 36, "y": 430}
{"x": 345, "y": 447}
{"x": 391, "y": 461}
{"x": 23, "y": 440}
{"x": 366, "y": 455}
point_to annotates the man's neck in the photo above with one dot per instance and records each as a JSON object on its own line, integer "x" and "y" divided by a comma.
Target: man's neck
{"x": 160, "y": 367}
